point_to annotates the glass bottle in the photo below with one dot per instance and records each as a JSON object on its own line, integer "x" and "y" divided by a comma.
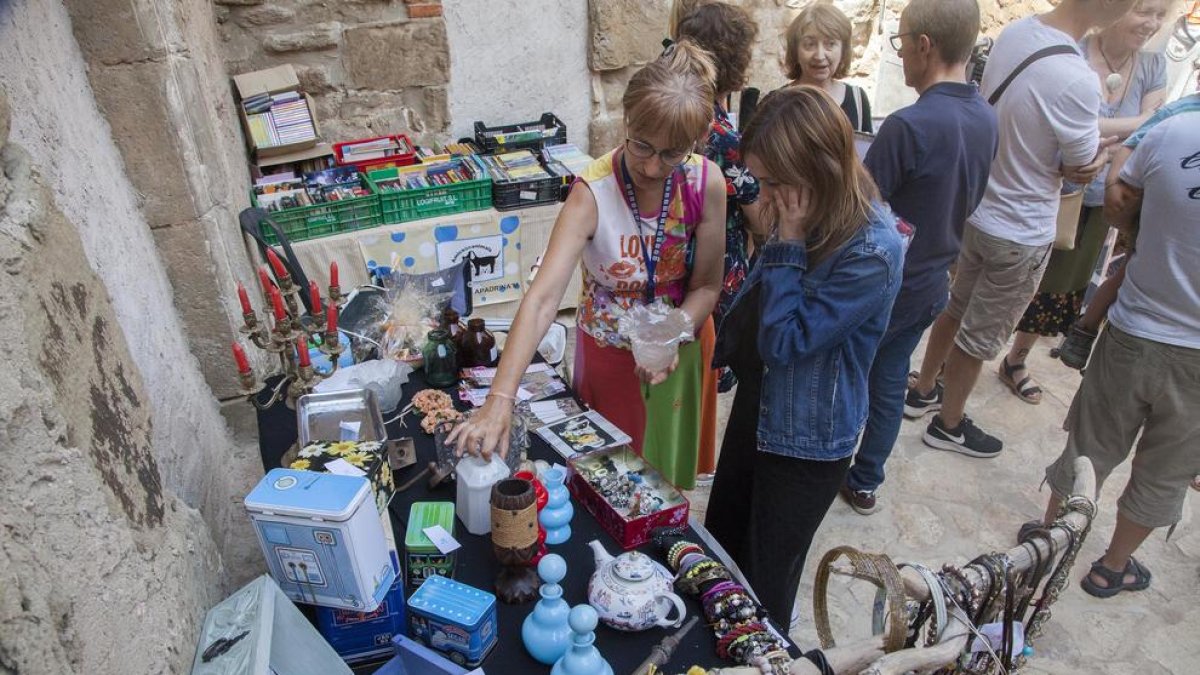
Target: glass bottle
{"x": 452, "y": 323}
{"x": 441, "y": 362}
{"x": 478, "y": 345}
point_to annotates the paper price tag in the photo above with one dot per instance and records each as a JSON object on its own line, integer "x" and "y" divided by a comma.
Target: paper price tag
{"x": 443, "y": 540}
{"x": 343, "y": 468}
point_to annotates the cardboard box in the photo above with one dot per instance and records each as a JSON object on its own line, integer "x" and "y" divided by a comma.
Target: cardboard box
{"x": 275, "y": 80}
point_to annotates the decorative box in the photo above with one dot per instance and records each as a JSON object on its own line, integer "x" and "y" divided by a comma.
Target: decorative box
{"x": 453, "y": 618}
{"x": 625, "y": 494}
{"x": 421, "y": 558}
{"x": 364, "y": 636}
{"x": 370, "y": 457}
{"x": 322, "y": 538}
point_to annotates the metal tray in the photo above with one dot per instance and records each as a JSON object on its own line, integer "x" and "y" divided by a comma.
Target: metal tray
{"x": 319, "y": 417}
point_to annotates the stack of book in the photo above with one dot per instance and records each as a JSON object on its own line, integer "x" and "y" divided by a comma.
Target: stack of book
{"x": 285, "y": 190}
{"x": 281, "y": 191}
{"x": 512, "y": 167}
{"x": 279, "y": 119}
{"x": 379, "y": 148}
{"x": 428, "y": 175}
{"x": 566, "y": 159}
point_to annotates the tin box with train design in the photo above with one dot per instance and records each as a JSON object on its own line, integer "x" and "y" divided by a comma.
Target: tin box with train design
{"x": 453, "y": 618}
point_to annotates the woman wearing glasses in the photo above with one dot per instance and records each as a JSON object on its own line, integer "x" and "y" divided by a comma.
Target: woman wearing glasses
{"x": 648, "y": 222}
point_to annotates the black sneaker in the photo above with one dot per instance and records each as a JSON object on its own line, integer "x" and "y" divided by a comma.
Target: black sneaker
{"x": 967, "y": 438}
{"x": 917, "y": 406}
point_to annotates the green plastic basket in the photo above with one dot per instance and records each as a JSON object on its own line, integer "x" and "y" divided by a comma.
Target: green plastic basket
{"x": 403, "y": 206}
{"x": 323, "y": 220}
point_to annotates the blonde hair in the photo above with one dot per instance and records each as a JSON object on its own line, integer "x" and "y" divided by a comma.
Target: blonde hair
{"x": 830, "y": 23}
{"x": 801, "y": 136}
{"x": 679, "y": 11}
{"x": 673, "y": 94}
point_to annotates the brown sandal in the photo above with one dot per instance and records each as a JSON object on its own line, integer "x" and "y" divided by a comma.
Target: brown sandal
{"x": 1027, "y": 390}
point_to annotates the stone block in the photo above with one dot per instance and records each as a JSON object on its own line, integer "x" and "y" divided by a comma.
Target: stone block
{"x": 436, "y": 104}
{"x": 386, "y": 58}
{"x": 605, "y": 133}
{"x": 237, "y": 3}
{"x": 316, "y": 79}
{"x": 625, "y": 32}
{"x": 119, "y": 31}
{"x": 314, "y": 38}
{"x": 424, "y": 11}
{"x": 185, "y": 252}
{"x": 134, "y": 101}
{"x": 265, "y": 15}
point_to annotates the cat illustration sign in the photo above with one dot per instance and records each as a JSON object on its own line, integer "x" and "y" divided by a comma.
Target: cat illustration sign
{"x": 485, "y": 255}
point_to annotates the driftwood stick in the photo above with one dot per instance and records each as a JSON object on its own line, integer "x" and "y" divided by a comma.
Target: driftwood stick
{"x": 953, "y": 641}
{"x": 852, "y": 658}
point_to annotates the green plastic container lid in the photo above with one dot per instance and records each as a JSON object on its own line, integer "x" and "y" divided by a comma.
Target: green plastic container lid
{"x": 427, "y": 514}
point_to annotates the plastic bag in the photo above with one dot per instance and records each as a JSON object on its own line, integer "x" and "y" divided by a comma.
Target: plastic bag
{"x": 655, "y": 332}
{"x": 385, "y": 377}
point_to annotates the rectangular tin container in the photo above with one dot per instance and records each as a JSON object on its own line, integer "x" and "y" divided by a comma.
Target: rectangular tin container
{"x": 421, "y": 558}
{"x": 319, "y": 416}
{"x": 322, "y": 538}
{"x": 364, "y": 636}
{"x": 455, "y": 619}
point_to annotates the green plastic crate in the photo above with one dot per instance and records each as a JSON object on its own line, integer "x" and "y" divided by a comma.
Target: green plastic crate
{"x": 403, "y": 206}
{"x": 323, "y": 220}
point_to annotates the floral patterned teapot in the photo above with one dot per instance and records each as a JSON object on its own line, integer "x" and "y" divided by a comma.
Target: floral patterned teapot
{"x": 631, "y": 592}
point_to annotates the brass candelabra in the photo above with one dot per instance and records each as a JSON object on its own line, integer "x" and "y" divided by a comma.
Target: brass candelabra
{"x": 289, "y": 333}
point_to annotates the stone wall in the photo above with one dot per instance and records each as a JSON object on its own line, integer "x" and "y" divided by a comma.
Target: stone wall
{"x": 373, "y": 66}
{"x": 103, "y": 569}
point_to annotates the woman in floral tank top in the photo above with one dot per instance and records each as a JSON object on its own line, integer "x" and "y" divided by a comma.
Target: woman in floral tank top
{"x": 647, "y": 220}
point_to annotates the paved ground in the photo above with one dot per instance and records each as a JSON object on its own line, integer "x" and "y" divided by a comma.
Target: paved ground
{"x": 944, "y": 507}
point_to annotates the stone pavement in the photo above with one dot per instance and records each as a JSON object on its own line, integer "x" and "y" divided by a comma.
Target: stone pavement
{"x": 943, "y": 507}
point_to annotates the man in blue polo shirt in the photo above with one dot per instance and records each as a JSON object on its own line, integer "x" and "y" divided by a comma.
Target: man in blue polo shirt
{"x": 931, "y": 162}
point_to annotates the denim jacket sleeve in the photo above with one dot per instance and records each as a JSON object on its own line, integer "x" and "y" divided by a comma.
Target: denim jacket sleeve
{"x": 797, "y": 322}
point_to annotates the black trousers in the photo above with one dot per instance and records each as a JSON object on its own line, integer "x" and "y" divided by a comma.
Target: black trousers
{"x": 766, "y": 508}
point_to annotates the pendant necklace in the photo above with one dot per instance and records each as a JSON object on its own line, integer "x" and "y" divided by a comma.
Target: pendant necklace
{"x": 1114, "y": 80}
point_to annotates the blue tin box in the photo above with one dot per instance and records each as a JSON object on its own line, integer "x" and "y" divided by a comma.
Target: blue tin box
{"x": 413, "y": 659}
{"x": 364, "y": 636}
{"x": 453, "y": 618}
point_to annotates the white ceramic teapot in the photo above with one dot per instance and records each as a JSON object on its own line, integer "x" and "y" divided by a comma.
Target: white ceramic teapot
{"x": 631, "y": 592}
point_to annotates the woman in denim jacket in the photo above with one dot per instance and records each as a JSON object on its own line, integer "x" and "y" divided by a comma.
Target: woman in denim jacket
{"x": 800, "y": 336}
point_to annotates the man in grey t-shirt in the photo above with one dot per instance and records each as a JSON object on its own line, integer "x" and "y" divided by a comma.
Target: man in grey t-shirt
{"x": 1144, "y": 376}
{"x": 1048, "y": 131}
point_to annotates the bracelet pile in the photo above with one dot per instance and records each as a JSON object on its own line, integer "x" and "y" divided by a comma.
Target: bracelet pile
{"x": 735, "y": 617}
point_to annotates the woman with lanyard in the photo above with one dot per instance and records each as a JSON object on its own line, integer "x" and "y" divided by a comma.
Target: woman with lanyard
{"x": 648, "y": 222}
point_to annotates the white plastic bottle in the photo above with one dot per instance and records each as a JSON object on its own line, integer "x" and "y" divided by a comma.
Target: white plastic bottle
{"x": 476, "y": 477}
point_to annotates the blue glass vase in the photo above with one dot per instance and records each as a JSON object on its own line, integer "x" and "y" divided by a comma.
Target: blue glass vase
{"x": 556, "y": 517}
{"x": 545, "y": 632}
{"x": 582, "y": 658}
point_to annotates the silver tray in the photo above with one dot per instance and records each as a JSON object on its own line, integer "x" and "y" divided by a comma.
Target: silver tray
{"x": 319, "y": 416}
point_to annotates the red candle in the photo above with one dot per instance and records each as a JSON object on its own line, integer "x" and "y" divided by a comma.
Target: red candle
{"x": 302, "y": 351}
{"x": 264, "y": 279}
{"x": 276, "y": 264}
{"x": 239, "y": 356}
{"x": 244, "y": 299}
{"x": 277, "y": 304}
{"x": 331, "y": 322}
{"x": 315, "y": 296}
{"x": 333, "y": 274}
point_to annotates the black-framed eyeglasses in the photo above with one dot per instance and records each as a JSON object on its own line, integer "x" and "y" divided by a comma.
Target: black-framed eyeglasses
{"x": 895, "y": 39}
{"x": 643, "y": 150}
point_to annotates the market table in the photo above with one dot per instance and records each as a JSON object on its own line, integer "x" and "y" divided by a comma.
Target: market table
{"x": 476, "y": 566}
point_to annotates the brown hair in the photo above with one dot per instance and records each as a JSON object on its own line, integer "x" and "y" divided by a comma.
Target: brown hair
{"x": 727, "y": 32}
{"x": 951, "y": 25}
{"x": 801, "y": 136}
{"x": 831, "y": 23}
{"x": 674, "y": 93}
{"x": 679, "y": 11}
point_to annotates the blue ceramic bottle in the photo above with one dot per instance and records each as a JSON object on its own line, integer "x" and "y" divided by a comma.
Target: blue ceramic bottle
{"x": 545, "y": 631}
{"x": 582, "y": 658}
{"x": 556, "y": 517}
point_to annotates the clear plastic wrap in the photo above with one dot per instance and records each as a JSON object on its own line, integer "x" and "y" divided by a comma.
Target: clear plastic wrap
{"x": 655, "y": 332}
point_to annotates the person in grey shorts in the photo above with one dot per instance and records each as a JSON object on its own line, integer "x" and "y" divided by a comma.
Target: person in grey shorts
{"x": 1048, "y": 130}
{"x": 1144, "y": 375}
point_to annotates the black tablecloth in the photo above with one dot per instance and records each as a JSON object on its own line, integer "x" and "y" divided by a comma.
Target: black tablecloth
{"x": 477, "y": 566}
